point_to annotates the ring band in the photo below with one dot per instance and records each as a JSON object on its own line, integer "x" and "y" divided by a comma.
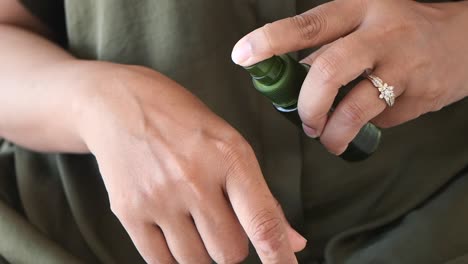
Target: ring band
{"x": 386, "y": 91}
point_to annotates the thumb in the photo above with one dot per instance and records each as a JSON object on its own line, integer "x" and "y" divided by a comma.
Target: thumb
{"x": 315, "y": 27}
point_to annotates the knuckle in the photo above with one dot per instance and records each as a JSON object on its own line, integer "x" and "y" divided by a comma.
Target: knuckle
{"x": 231, "y": 152}
{"x": 353, "y": 113}
{"x": 437, "y": 106}
{"x": 180, "y": 171}
{"x": 187, "y": 178}
{"x": 406, "y": 29}
{"x": 126, "y": 206}
{"x": 338, "y": 56}
{"x": 195, "y": 187}
{"x": 231, "y": 141}
{"x": 120, "y": 206}
{"x": 122, "y": 213}
{"x": 267, "y": 231}
{"x": 310, "y": 25}
{"x": 116, "y": 209}
{"x": 236, "y": 154}
{"x": 266, "y": 30}
{"x": 326, "y": 65}
{"x": 433, "y": 95}
{"x": 309, "y": 115}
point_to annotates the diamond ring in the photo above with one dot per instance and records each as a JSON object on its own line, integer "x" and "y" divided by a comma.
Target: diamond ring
{"x": 386, "y": 91}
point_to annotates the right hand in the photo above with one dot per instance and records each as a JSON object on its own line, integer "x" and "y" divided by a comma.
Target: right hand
{"x": 185, "y": 185}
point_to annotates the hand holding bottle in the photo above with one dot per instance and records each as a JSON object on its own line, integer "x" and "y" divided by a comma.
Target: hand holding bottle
{"x": 421, "y": 49}
{"x": 280, "y": 78}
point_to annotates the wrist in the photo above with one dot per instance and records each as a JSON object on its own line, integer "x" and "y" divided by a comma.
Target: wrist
{"x": 46, "y": 113}
{"x": 67, "y": 101}
{"x": 107, "y": 105}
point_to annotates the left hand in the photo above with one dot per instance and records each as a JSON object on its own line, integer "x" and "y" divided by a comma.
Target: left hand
{"x": 420, "y": 49}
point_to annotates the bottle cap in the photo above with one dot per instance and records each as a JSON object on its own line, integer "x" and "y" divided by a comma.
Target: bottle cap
{"x": 279, "y": 78}
{"x": 267, "y": 72}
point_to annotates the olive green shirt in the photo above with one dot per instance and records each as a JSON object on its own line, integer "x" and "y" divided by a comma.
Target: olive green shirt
{"x": 56, "y": 207}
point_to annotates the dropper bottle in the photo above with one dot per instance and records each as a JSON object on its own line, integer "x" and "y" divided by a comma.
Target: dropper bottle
{"x": 280, "y": 78}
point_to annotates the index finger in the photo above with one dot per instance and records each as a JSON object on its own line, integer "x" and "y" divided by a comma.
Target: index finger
{"x": 317, "y": 26}
{"x": 257, "y": 212}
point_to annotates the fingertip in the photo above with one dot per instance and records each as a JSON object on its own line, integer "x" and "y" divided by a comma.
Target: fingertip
{"x": 310, "y": 132}
{"x": 298, "y": 242}
{"x": 340, "y": 151}
{"x": 332, "y": 144}
{"x": 252, "y": 48}
{"x": 242, "y": 52}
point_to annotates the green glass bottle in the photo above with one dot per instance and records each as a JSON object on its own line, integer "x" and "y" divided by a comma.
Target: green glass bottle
{"x": 280, "y": 78}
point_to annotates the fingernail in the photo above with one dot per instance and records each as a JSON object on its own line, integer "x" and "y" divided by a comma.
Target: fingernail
{"x": 242, "y": 52}
{"x": 310, "y": 132}
{"x": 301, "y": 238}
{"x": 298, "y": 242}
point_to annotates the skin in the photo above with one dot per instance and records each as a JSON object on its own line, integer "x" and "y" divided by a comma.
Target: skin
{"x": 147, "y": 131}
{"x": 420, "y": 49}
{"x": 185, "y": 185}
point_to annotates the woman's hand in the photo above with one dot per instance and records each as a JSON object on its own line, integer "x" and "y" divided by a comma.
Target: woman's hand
{"x": 420, "y": 49}
{"x": 185, "y": 185}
